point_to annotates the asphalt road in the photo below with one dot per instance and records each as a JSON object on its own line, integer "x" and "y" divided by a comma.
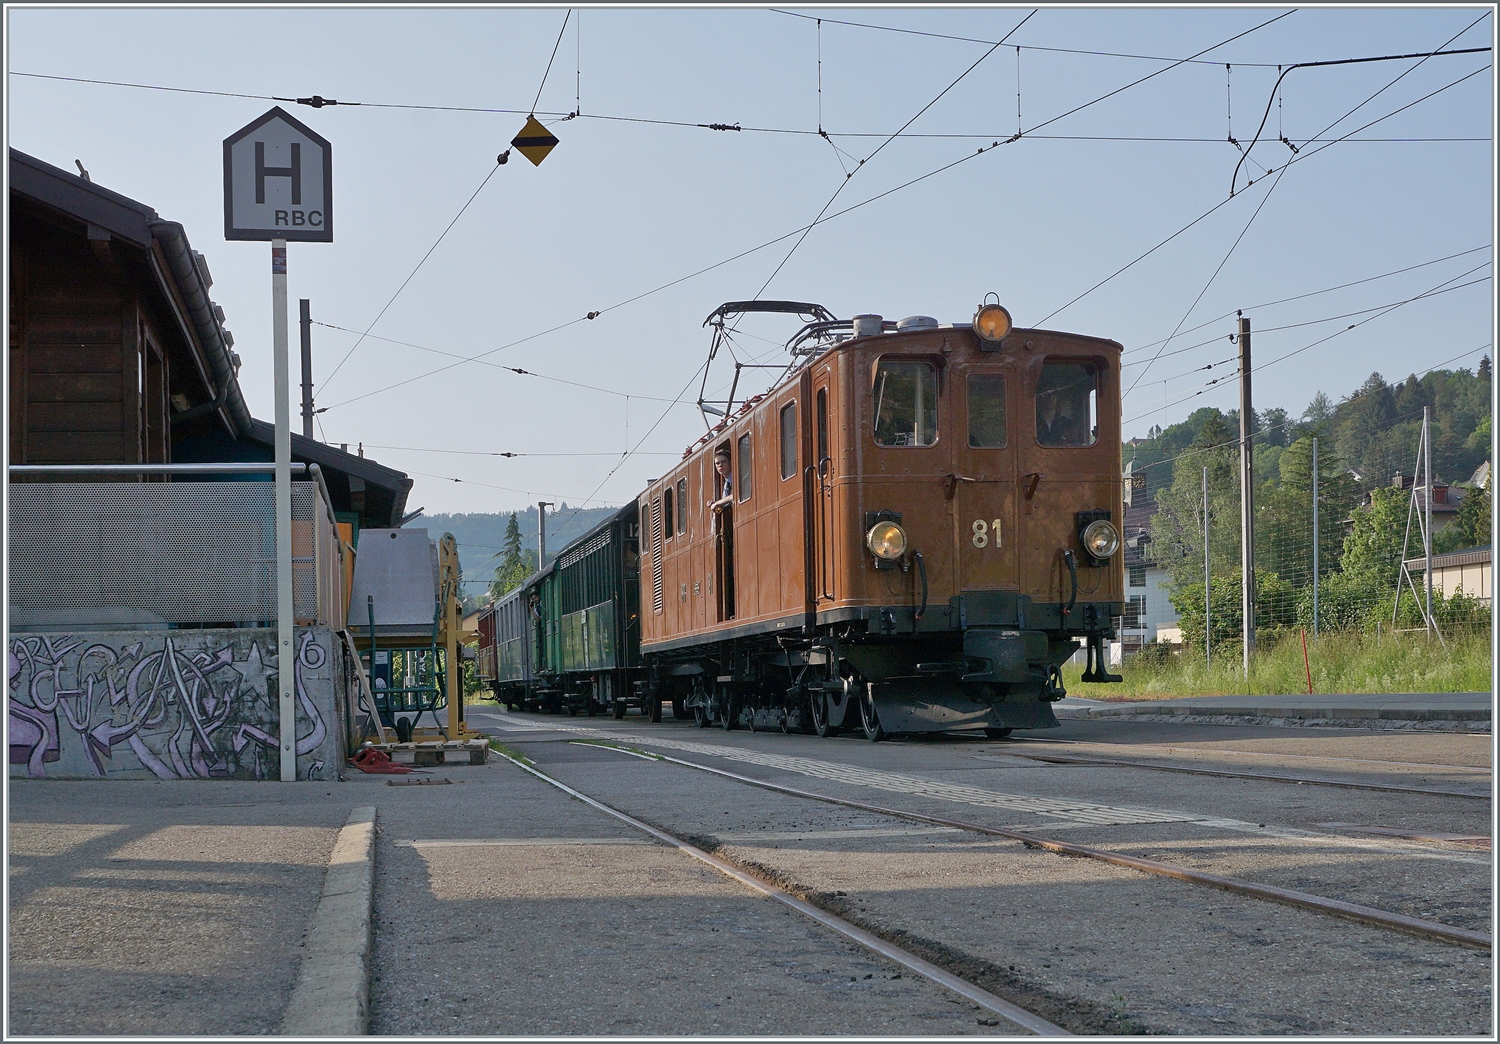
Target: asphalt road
{"x": 503, "y": 906}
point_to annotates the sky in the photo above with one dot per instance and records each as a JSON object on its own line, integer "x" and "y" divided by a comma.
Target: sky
{"x": 650, "y": 220}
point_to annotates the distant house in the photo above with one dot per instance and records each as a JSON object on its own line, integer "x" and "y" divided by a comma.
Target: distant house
{"x": 1446, "y": 499}
{"x": 1468, "y": 570}
{"x": 1148, "y": 610}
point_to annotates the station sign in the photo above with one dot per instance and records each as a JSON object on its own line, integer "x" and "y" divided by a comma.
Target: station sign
{"x": 278, "y": 181}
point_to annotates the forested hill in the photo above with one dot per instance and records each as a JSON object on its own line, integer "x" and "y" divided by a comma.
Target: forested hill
{"x": 1373, "y": 430}
{"x": 481, "y": 536}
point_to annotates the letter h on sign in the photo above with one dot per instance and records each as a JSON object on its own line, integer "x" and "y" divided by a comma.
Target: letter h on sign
{"x": 262, "y": 172}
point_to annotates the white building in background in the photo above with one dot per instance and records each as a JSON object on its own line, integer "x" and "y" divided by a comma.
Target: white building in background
{"x": 1149, "y": 614}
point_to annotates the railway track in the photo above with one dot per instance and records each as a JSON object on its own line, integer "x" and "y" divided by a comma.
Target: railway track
{"x": 1291, "y": 897}
{"x": 1011, "y": 1013}
{"x": 1067, "y": 759}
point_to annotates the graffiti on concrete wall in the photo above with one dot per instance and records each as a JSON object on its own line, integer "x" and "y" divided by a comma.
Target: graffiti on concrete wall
{"x": 175, "y": 705}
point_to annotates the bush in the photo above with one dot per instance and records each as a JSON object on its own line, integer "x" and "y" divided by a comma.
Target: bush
{"x": 1274, "y": 607}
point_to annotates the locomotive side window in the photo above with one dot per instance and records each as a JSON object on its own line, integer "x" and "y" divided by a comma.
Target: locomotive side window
{"x": 789, "y": 440}
{"x": 1067, "y": 404}
{"x": 667, "y": 513}
{"x": 986, "y": 410}
{"x": 905, "y": 403}
{"x": 682, "y": 506}
{"x": 742, "y": 480}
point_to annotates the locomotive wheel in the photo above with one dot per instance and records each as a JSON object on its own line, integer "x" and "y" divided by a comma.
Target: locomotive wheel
{"x": 997, "y": 733}
{"x": 679, "y": 711}
{"x": 701, "y": 718}
{"x": 874, "y": 731}
{"x": 651, "y": 708}
{"x": 619, "y": 709}
{"x": 728, "y": 722}
{"x": 820, "y": 717}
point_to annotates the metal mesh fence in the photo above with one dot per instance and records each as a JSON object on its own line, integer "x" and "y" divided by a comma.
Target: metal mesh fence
{"x": 147, "y": 554}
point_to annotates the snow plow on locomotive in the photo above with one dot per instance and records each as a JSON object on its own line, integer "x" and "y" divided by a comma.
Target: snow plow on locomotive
{"x": 909, "y": 533}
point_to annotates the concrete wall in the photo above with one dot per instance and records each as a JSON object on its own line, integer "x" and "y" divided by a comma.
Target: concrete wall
{"x": 170, "y": 704}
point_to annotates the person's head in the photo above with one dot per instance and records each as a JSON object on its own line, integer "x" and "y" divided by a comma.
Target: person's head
{"x": 721, "y": 462}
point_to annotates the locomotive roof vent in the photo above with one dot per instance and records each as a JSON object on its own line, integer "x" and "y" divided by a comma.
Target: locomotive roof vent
{"x": 868, "y": 325}
{"x": 916, "y": 322}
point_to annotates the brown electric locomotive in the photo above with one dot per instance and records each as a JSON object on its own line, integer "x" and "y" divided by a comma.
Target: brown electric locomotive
{"x": 910, "y": 532}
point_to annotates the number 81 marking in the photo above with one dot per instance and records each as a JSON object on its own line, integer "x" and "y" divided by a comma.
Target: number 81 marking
{"x": 982, "y": 529}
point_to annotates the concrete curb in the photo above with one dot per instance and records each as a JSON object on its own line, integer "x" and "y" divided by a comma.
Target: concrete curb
{"x": 332, "y": 995}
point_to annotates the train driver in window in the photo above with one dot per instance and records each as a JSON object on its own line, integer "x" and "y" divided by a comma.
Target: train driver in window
{"x": 721, "y": 465}
{"x": 1062, "y": 405}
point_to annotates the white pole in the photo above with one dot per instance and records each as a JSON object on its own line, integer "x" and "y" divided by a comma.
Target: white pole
{"x": 1208, "y": 645}
{"x": 1315, "y": 534}
{"x": 1427, "y": 511}
{"x": 286, "y": 653}
{"x": 1247, "y": 499}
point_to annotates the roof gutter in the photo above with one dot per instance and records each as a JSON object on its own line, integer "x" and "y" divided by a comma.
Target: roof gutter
{"x": 174, "y": 244}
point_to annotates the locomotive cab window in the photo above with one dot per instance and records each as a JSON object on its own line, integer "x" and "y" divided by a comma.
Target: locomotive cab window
{"x": 1067, "y": 404}
{"x": 789, "y": 440}
{"x": 682, "y": 506}
{"x": 905, "y": 403}
{"x": 667, "y": 513}
{"x": 986, "y": 410}
{"x": 742, "y": 480}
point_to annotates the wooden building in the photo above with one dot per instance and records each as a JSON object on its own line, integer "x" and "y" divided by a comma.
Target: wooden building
{"x": 116, "y": 350}
{"x": 119, "y": 356}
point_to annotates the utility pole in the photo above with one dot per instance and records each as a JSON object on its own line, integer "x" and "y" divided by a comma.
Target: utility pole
{"x": 541, "y": 533}
{"x": 1315, "y": 534}
{"x": 307, "y": 399}
{"x": 1427, "y": 514}
{"x": 1247, "y": 497}
{"x": 1208, "y": 645}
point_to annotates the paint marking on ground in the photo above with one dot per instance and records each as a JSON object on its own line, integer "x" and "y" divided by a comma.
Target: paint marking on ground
{"x": 1057, "y": 812}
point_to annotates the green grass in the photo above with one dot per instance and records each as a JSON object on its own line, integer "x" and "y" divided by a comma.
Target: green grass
{"x": 1342, "y": 662}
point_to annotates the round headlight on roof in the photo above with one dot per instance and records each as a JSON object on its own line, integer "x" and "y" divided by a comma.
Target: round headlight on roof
{"x": 886, "y": 540}
{"x": 992, "y": 323}
{"x": 1100, "y": 538}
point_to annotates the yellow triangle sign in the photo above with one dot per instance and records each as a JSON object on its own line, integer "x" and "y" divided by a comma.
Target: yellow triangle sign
{"x": 534, "y": 141}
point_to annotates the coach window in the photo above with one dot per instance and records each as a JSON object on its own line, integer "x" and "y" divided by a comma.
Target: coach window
{"x": 905, "y": 403}
{"x": 986, "y": 410}
{"x": 667, "y": 514}
{"x": 1067, "y": 404}
{"x": 742, "y": 480}
{"x": 682, "y": 506}
{"x": 789, "y": 440}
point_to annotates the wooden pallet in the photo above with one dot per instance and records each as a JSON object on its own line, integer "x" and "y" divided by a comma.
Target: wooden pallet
{"x": 437, "y": 752}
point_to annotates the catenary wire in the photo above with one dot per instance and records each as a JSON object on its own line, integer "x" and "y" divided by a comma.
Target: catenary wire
{"x": 413, "y": 274}
{"x": 497, "y": 366}
{"x": 700, "y": 126}
{"x": 1337, "y": 333}
{"x": 1299, "y": 297}
{"x": 831, "y": 217}
{"x": 860, "y": 165}
{"x": 1216, "y": 207}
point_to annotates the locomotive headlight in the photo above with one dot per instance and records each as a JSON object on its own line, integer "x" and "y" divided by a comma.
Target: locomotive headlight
{"x": 992, "y": 323}
{"x": 886, "y": 540}
{"x": 1100, "y": 538}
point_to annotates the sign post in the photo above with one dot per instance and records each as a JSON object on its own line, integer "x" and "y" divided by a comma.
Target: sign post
{"x": 278, "y": 186}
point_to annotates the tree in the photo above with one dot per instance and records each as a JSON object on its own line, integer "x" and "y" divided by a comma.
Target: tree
{"x": 1177, "y": 528}
{"x": 515, "y": 565}
{"x": 1274, "y": 609}
{"x": 1362, "y": 591}
{"x": 1471, "y": 526}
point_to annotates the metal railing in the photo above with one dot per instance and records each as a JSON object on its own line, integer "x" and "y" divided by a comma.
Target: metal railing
{"x": 129, "y": 555}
